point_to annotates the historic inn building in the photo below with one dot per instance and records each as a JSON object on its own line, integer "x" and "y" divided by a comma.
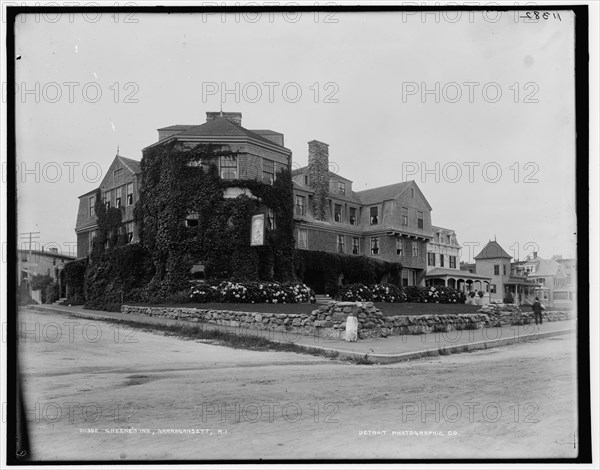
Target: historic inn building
{"x": 389, "y": 223}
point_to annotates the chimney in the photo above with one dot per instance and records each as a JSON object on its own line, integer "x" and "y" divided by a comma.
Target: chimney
{"x": 236, "y": 118}
{"x": 535, "y": 255}
{"x": 318, "y": 174}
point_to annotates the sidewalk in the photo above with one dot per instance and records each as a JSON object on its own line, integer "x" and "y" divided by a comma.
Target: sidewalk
{"x": 377, "y": 350}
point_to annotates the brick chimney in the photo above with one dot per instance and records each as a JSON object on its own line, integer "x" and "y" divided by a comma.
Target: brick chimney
{"x": 318, "y": 175}
{"x": 236, "y": 118}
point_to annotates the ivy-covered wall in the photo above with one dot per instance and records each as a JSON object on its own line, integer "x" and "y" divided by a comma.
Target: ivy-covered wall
{"x": 175, "y": 185}
{"x": 324, "y": 272}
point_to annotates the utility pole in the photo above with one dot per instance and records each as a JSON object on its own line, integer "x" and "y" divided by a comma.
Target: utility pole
{"x": 31, "y": 236}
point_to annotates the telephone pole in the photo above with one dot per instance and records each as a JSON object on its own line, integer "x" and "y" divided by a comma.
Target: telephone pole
{"x": 31, "y": 236}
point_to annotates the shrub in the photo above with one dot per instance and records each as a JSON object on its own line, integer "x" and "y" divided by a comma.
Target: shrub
{"x": 508, "y": 298}
{"x": 251, "y": 292}
{"x": 480, "y": 294}
{"x": 373, "y": 293}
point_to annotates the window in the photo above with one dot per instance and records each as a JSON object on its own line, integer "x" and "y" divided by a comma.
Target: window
{"x": 375, "y": 245}
{"x": 270, "y": 219}
{"x": 504, "y": 269}
{"x": 355, "y": 246}
{"x": 448, "y": 240}
{"x": 340, "y": 244}
{"x": 419, "y": 219}
{"x": 117, "y": 173}
{"x": 106, "y": 200}
{"x": 92, "y": 201}
{"x": 353, "y": 220}
{"x": 399, "y": 246}
{"x": 306, "y": 180}
{"x": 268, "y": 171}
{"x": 302, "y": 239}
{"x": 192, "y": 220}
{"x": 341, "y": 187}
{"x": 300, "y": 205}
{"x": 129, "y": 230}
{"x": 452, "y": 262}
{"x": 91, "y": 237}
{"x": 412, "y": 192}
{"x": 437, "y": 237}
{"x": 129, "y": 194}
{"x": 415, "y": 248}
{"x": 496, "y": 270}
{"x": 441, "y": 260}
{"x": 493, "y": 288}
{"x": 228, "y": 167}
{"x": 405, "y": 277}
{"x": 23, "y": 257}
{"x": 374, "y": 215}
{"x": 430, "y": 259}
{"x": 119, "y": 197}
{"x": 405, "y": 216}
{"x": 337, "y": 214}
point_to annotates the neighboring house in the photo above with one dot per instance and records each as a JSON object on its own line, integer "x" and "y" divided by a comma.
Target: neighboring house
{"x": 41, "y": 262}
{"x": 119, "y": 188}
{"x": 494, "y": 262}
{"x": 567, "y": 295}
{"x": 444, "y": 266}
{"x": 552, "y": 278}
{"x": 390, "y": 223}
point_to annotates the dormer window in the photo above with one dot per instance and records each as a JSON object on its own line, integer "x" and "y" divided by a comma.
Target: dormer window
{"x": 374, "y": 215}
{"x": 306, "y": 180}
{"x": 341, "y": 187}
{"x": 419, "y": 219}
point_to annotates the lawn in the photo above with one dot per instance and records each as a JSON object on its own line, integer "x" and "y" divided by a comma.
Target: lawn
{"x": 388, "y": 309}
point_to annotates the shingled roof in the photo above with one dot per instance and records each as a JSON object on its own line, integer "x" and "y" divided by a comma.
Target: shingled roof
{"x": 382, "y": 193}
{"x": 492, "y": 250}
{"x": 133, "y": 165}
{"x": 216, "y": 128}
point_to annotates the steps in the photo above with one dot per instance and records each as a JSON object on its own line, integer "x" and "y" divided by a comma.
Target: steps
{"x": 322, "y": 298}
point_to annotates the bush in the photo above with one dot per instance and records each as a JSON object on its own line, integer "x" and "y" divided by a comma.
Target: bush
{"x": 392, "y": 293}
{"x": 508, "y": 298}
{"x": 480, "y": 294}
{"x": 252, "y": 292}
{"x": 373, "y": 293}
{"x": 51, "y": 293}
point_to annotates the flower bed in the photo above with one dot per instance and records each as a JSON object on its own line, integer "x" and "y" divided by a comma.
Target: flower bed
{"x": 394, "y": 294}
{"x": 372, "y": 293}
{"x": 252, "y": 292}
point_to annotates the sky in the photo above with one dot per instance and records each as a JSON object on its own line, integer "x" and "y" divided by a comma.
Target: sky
{"x": 478, "y": 109}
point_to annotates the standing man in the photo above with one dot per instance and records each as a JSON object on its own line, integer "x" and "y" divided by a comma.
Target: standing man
{"x": 537, "y": 310}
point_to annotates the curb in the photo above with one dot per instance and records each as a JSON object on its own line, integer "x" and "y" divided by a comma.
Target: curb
{"x": 350, "y": 355}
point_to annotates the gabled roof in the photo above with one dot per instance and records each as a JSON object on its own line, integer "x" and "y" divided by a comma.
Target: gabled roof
{"x": 218, "y": 127}
{"x": 546, "y": 267}
{"x": 435, "y": 228}
{"x": 133, "y": 165}
{"x": 491, "y": 251}
{"x": 177, "y": 127}
{"x": 304, "y": 169}
{"x": 386, "y": 193}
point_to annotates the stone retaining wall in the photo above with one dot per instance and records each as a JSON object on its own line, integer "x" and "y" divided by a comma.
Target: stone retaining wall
{"x": 327, "y": 321}
{"x": 507, "y": 314}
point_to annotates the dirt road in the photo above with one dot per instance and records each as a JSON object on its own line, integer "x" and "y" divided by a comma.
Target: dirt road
{"x": 95, "y": 390}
